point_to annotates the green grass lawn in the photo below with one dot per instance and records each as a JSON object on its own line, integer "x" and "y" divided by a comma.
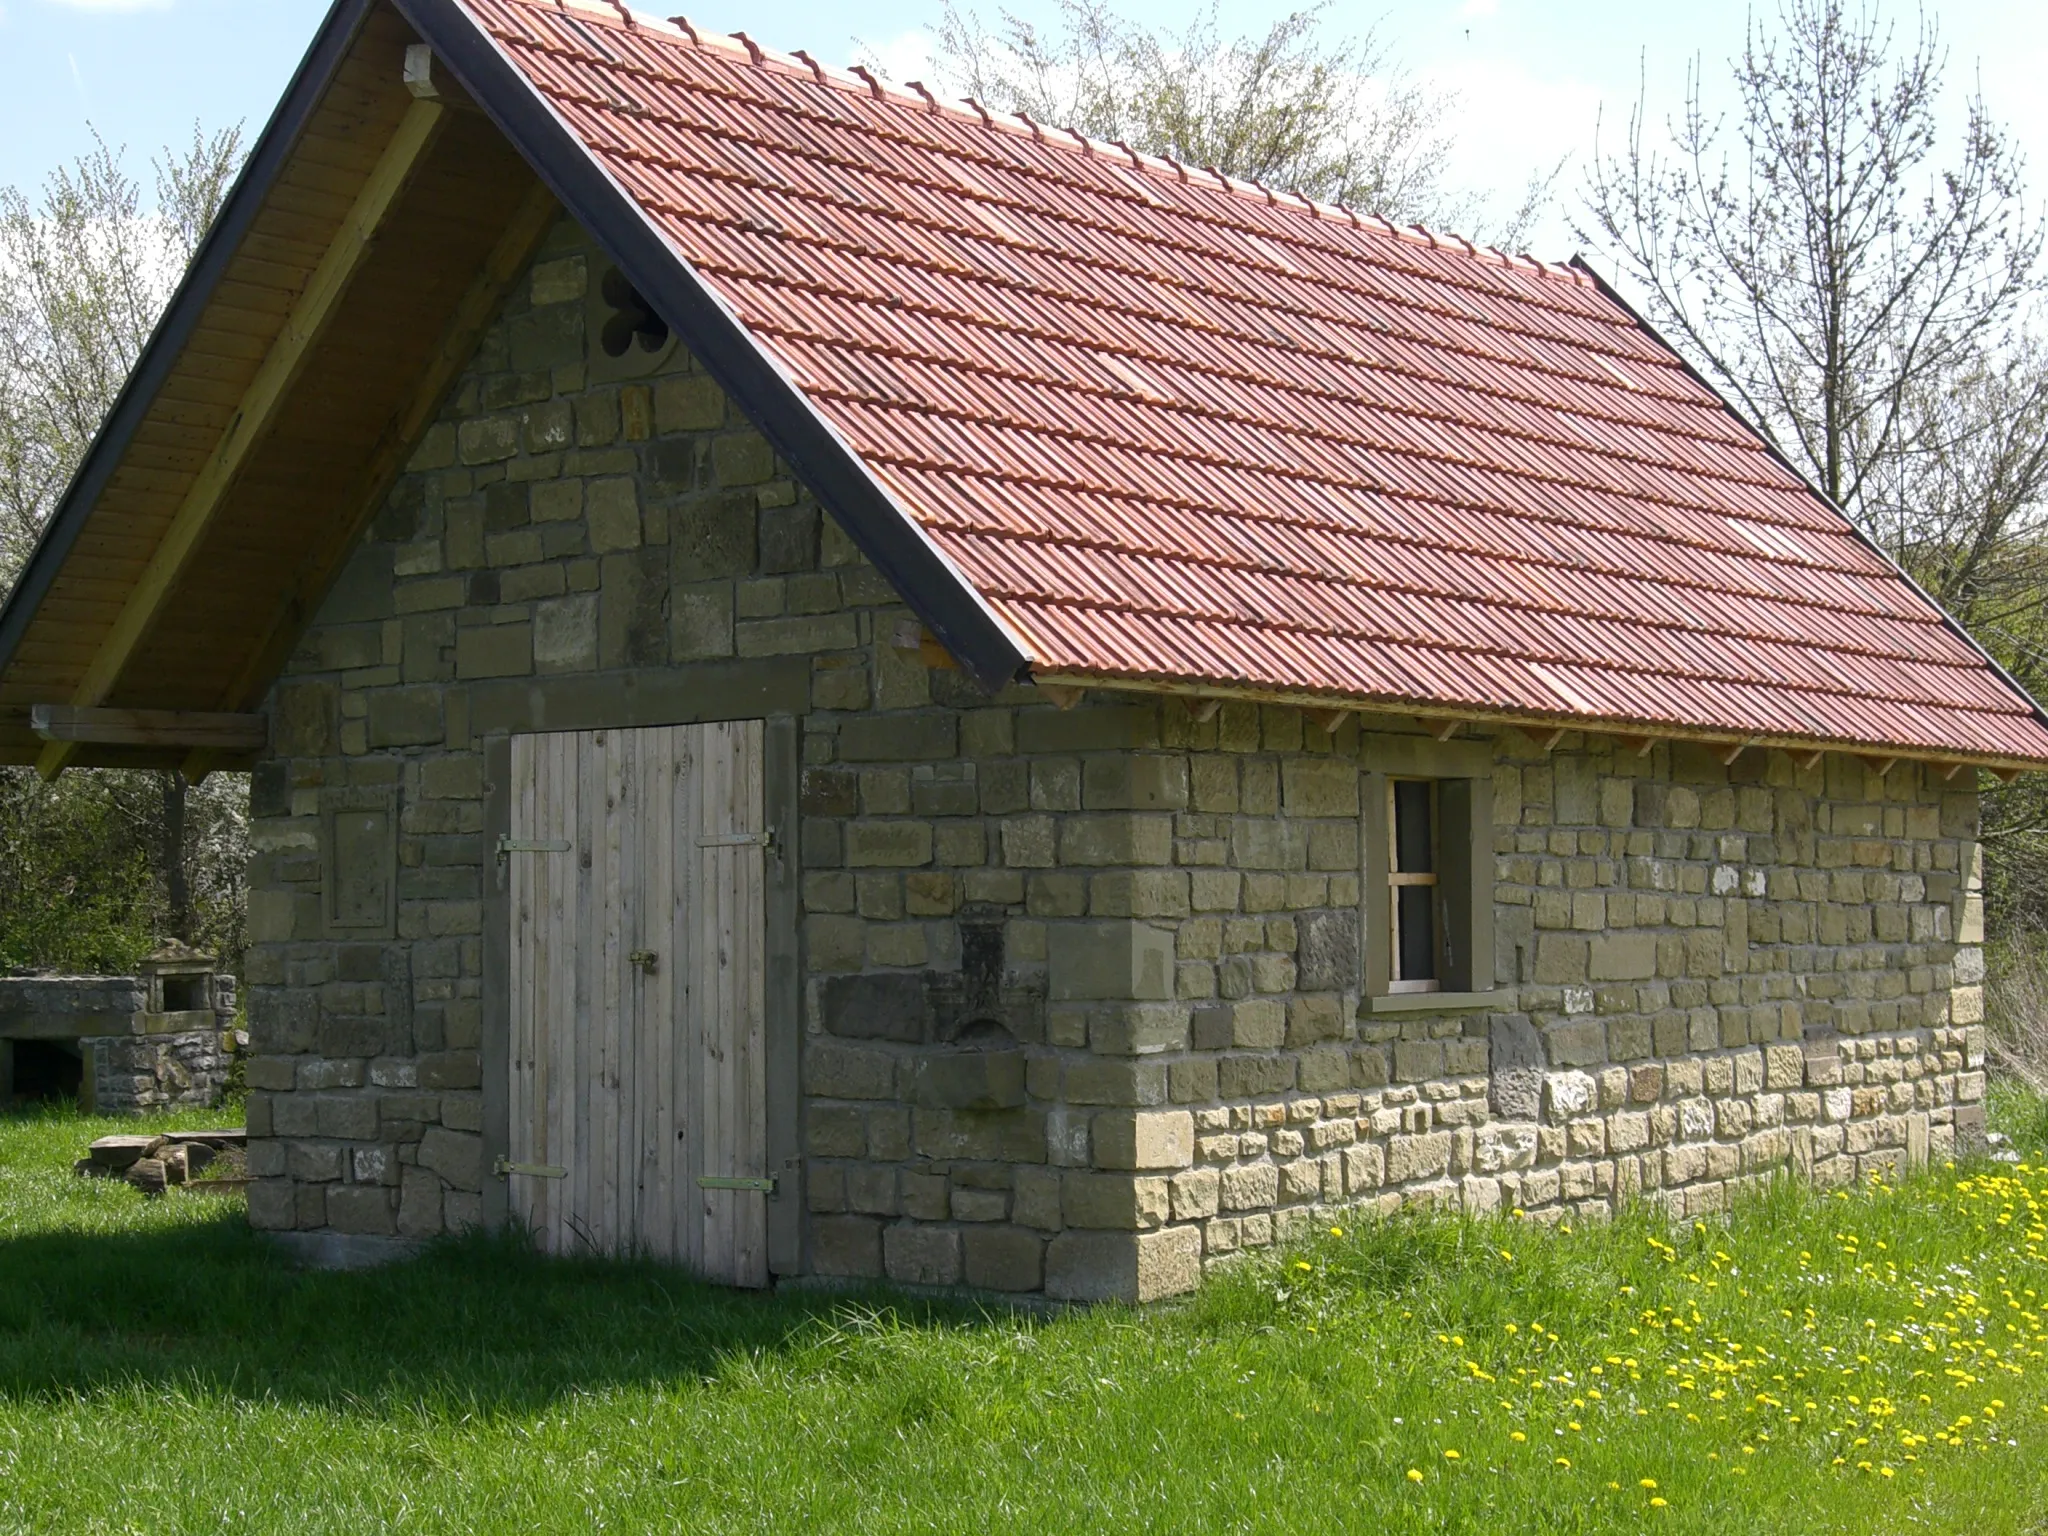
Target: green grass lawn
{"x": 1875, "y": 1361}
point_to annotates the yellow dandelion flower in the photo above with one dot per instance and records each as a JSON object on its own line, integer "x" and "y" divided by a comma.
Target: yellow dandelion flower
{"x": 1565, "y": 1463}
{"x": 1656, "y": 1503}
{"x": 1303, "y": 1264}
{"x": 1336, "y": 1231}
{"x": 1450, "y": 1455}
{"x": 1414, "y": 1476}
{"x": 1648, "y": 1482}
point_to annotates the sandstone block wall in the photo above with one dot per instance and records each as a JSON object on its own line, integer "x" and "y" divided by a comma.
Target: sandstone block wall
{"x": 1081, "y": 991}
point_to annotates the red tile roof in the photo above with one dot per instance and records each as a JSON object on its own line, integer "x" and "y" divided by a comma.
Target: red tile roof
{"x": 1177, "y": 429}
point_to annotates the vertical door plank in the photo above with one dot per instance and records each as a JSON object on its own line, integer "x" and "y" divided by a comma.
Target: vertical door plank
{"x": 589, "y": 971}
{"x": 689, "y": 1078}
{"x": 712, "y": 779}
{"x": 654, "y": 1195}
{"x": 521, "y": 958}
{"x": 564, "y": 822}
{"x": 750, "y": 1077}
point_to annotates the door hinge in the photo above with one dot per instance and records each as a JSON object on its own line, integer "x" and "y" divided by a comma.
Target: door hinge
{"x": 713, "y": 1181}
{"x": 644, "y": 960}
{"x": 504, "y": 1166}
{"x": 511, "y": 845}
{"x": 738, "y": 840}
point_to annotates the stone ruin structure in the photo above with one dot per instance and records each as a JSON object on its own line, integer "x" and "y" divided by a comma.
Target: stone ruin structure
{"x": 160, "y": 1039}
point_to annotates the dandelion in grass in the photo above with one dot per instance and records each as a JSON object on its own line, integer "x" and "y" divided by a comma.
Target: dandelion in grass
{"x": 1414, "y": 1474}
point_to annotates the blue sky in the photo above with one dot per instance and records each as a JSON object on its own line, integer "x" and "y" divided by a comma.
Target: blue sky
{"x": 1530, "y": 75}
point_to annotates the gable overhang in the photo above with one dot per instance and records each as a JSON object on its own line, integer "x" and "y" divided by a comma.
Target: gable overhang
{"x": 122, "y": 629}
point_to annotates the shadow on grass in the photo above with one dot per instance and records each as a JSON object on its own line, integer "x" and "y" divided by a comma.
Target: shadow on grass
{"x": 474, "y": 1324}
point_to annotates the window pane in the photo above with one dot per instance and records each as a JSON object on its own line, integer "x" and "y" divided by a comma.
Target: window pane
{"x": 1414, "y": 853}
{"x": 1417, "y": 931}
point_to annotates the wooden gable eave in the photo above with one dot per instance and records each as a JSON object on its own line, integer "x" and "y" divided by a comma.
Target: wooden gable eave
{"x": 181, "y": 319}
{"x": 186, "y": 575}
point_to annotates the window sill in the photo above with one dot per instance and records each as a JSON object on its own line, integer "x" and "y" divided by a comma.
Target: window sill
{"x": 1437, "y": 1002}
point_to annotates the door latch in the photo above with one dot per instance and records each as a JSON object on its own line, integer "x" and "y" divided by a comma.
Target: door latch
{"x": 739, "y": 840}
{"x": 645, "y": 959}
{"x": 504, "y": 1166}
{"x": 507, "y": 846}
{"x": 713, "y": 1181}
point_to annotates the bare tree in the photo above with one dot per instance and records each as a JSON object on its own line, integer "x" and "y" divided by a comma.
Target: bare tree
{"x": 85, "y": 271}
{"x": 1814, "y": 258}
{"x": 1864, "y": 288}
{"x": 1292, "y": 109}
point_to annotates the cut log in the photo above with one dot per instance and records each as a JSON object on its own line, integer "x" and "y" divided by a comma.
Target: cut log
{"x": 197, "y": 1155}
{"x": 117, "y": 1152}
{"x": 149, "y": 1175}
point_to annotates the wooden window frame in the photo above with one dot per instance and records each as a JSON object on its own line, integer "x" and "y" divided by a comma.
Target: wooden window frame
{"x": 1463, "y": 829}
{"x": 1398, "y": 880}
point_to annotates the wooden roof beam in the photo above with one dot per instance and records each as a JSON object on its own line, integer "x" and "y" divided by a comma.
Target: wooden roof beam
{"x": 515, "y": 245}
{"x": 1546, "y": 737}
{"x": 1202, "y": 710}
{"x": 1442, "y": 730}
{"x": 1330, "y": 721}
{"x": 255, "y": 415}
{"x": 72, "y": 725}
{"x": 912, "y": 641}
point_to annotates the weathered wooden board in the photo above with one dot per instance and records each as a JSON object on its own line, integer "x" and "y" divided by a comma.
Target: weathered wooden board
{"x": 638, "y": 994}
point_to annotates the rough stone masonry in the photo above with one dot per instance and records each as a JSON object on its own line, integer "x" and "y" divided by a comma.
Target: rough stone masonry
{"x": 1084, "y": 991}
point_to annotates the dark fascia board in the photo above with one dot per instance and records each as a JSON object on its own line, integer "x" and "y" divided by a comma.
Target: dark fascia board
{"x": 1607, "y": 289}
{"x": 935, "y": 590}
{"x": 174, "y": 328}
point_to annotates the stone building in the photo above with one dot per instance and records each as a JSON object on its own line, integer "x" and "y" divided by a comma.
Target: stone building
{"x": 842, "y": 686}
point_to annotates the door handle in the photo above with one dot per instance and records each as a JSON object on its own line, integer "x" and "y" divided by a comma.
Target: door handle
{"x": 645, "y": 960}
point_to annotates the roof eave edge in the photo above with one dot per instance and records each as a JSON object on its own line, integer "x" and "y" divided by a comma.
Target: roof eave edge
{"x": 1607, "y": 290}
{"x": 1598, "y": 725}
{"x": 933, "y": 586}
{"x": 181, "y": 315}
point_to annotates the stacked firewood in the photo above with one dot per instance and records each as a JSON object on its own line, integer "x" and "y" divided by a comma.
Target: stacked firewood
{"x": 156, "y": 1163}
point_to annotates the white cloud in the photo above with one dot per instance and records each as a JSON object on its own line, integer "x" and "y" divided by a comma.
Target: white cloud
{"x": 907, "y": 56}
{"x": 1508, "y": 124}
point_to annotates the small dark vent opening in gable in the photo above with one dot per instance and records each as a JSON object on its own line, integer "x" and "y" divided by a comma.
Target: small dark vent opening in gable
{"x": 632, "y": 322}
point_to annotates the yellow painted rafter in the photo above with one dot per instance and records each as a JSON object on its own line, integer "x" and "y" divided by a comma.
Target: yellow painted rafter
{"x": 255, "y": 415}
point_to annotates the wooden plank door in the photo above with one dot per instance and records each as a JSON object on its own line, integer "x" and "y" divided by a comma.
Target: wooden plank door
{"x": 638, "y": 995}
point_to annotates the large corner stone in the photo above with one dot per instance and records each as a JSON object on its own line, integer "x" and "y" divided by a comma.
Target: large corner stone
{"x": 1134, "y": 1140}
{"x": 1123, "y": 1266}
{"x": 1122, "y": 960}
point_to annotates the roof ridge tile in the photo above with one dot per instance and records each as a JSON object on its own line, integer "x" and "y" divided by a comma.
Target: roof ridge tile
{"x": 1250, "y": 191}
